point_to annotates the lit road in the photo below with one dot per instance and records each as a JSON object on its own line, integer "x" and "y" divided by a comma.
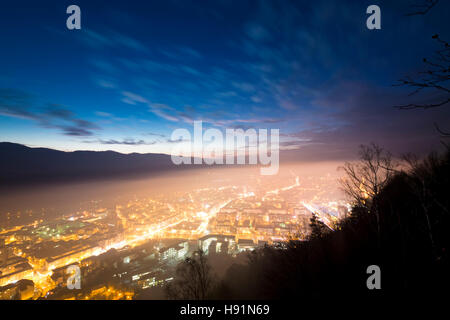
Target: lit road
{"x": 313, "y": 210}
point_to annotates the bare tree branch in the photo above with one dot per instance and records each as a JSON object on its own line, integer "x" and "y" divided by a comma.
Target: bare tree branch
{"x": 442, "y": 133}
{"x": 435, "y": 79}
{"x": 421, "y": 9}
{"x": 366, "y": 178}
{"x": 422, "y": 106}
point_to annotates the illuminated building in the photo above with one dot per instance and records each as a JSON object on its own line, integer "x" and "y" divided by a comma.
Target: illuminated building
{"x": 177, "y": 251}
{"x": 204, "y": 243}
{"x": 21, "y": 290}
{"x": 245, "y": 245}
{"x": 15, "y": 269}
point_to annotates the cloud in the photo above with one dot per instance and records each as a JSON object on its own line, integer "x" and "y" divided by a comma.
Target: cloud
{"x": 256, "y": 99}
{"x": 103, "y": 114}
{"x": 103, "y": 66}
{"x": 257, "y": 32}
{"x": 128, "y": 141}
{"x": 232, "y": 122}
{"x": 154, "y": 134}
{"x": 73, "y": 131}
{"x": 179, "y": 140}
{"x": 133, "y": 98}
{"x": 127, "y": 41}
{"x": 244, "y": 86}
{"x": 14, "y": 103}
{"x": 106, "y": 84}
{"x": 191, "y": 70}
{"x": 95, "y": 39}
{"x": 290, "y": 145}
{"x": 58, "y": 117}
{"x": 287, "y": 105}
{"x": 181, "y": 53}
{"x": 351, "y": 114}
{"x": 190, "y": 52}
{"x": 109, "y": 38}
{"x": 17, "y": 104}
{"x": 160, "y": 110}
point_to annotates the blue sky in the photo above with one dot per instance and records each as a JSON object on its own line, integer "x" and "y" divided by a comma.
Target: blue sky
{"x": 137, "y": 70}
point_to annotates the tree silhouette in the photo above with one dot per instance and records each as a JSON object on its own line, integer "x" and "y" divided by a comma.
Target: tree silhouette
{"x": 366, "y": 178}
{"x": 193, "y": 279}
{"x": 318, "y": 228}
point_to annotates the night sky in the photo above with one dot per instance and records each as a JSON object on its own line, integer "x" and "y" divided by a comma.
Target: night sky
{"x": 137, "y": 70}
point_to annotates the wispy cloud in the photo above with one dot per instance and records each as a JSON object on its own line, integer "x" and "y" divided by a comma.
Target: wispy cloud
{"x": 109, "y": 38}
{"x": 17, "y": 104}
{"x": 257, "y": 32}
{"x": 161, "y": 110}
{"x": 179, "y": 140}
{"x": 133, "y": 98}
{"x": 154, "y": 134}
{"x": 106, "y": 83}
{"x": 128, "y": 142}
{"x": 181, "y": 53}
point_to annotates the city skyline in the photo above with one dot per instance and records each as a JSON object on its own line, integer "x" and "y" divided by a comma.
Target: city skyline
{"x": 224, "y": 214}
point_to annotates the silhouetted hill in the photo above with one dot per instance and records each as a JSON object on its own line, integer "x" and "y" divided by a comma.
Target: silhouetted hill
{"x": 21, "y": 165}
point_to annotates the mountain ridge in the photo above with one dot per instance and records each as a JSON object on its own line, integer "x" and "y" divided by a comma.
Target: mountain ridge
{"x": 21, "y": 165}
